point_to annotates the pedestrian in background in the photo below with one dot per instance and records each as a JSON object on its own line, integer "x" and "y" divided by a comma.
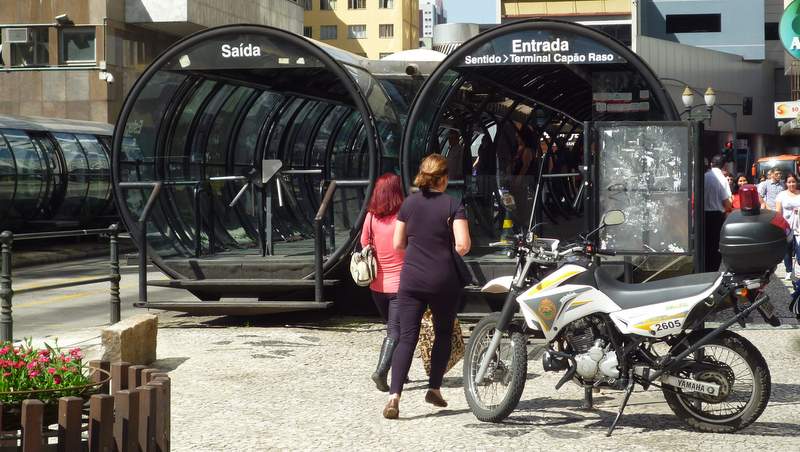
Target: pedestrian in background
{"x": 788, "y": 203}
{"x": 378, "y": 229}
{"x": 429, "y": 277}
{"x": 770, "y": 188}
{"x": 717, "y": 201}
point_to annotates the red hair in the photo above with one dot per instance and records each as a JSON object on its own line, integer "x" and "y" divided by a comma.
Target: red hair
{"x": 387, "y": 196}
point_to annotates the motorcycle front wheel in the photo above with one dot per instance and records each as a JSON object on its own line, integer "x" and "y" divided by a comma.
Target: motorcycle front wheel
{"x": 740, "y": 370}
{"x": 498, "y": 393}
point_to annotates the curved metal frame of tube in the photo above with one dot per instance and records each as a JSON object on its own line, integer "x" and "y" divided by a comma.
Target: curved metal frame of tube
{"x": 360, "y": 105}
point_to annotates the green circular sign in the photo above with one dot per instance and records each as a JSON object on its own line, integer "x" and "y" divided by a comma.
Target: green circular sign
{"x": 789, "y": 29}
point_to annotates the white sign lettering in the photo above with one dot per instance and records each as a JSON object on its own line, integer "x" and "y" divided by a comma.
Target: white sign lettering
{"x": 533, "y": 46}
{"x": 249, "y": 50}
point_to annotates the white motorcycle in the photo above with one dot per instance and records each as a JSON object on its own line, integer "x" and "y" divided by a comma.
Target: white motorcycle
{"x": 607, "y": 334}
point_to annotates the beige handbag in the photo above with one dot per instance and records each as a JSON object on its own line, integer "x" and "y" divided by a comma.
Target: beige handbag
{"x": 425, "y": 344}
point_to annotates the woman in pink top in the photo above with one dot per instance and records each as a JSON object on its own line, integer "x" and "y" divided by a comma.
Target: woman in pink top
{"x": 379, "y": 226}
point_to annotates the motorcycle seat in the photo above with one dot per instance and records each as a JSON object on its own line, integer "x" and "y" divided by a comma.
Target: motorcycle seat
{"x": 628, "y": 296}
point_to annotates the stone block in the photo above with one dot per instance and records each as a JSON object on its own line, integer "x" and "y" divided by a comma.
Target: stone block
{"x": 132, "y": 340}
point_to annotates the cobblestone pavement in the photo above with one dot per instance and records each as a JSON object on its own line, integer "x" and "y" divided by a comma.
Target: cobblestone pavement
{"x": 300, "y": 383}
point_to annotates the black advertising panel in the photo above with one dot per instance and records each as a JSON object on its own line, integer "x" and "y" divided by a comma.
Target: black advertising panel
{"x": 541, "y": 47}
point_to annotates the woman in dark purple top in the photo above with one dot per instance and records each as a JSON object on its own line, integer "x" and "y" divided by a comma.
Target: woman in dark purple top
{"x": 429, "y": 276}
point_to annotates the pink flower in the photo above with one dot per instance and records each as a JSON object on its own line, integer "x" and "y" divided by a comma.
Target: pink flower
{"x": 44, "y": 352}
{"x": 6, "y": 374}
{"x": 33, "y": 373}
{"x": 32, "y": 365}
{"x": 67, "y": 359}
{"x": 51, "y": 371}
{"x": 63, "y": 368}
{"x": 4, "y": 350}
{"x": 57, "y": 379}
{"x": 44, "y": 359}
{"x": 19, "y": 364}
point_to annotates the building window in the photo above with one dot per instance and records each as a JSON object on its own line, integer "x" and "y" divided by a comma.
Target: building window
{"x": 77, "y": 45}
{"x": 356, "y": 4}
{"x": 327, "y": 32}
{"x": 308, "y": 32}
{"x": 327, "y": 5}
{"x": 386, "y": 31}
{"x": 771, "y": 31}
{"x": 356, "y": 32}
{"x": 383, "y": 55}
{"x": 385, "y": 4}
{"x": 308, "y": 5}
{"x": 694, "y": 23}
{"x": 28, "y": 45}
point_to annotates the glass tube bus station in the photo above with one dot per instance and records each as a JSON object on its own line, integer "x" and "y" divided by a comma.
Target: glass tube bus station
{"x": 54, "y": 173}
{"x": 246, "y": 128}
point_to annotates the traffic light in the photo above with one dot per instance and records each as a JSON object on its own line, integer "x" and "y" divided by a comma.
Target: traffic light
{"x": 727, "y": 151}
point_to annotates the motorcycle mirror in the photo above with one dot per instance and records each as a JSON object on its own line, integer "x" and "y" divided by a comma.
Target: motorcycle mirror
{"x": 613, "y": 218}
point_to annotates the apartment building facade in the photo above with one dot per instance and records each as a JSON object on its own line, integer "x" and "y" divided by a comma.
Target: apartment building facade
{"x": 369, "y": 28}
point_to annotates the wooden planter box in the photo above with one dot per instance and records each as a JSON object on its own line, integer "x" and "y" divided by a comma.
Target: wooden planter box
{"x": 131, "y": 413}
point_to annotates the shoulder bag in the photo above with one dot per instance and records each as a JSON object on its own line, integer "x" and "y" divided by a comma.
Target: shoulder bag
{"x": 363, "y": 265}
{"x": 462, "y": 270}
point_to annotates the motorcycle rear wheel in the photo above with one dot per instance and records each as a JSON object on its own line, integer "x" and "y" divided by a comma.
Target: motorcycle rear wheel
{"x": 744, "y": 376}
{"x": 496, "y": 396}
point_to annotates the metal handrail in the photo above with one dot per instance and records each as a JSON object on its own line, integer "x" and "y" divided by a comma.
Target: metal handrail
{"x": 7, "y": 293}
{"x": 319, "y": 241}
{"x": 142, "y": 224}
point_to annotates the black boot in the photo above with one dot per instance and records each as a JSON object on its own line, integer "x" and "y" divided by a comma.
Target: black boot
{"x": 384, "y": 363}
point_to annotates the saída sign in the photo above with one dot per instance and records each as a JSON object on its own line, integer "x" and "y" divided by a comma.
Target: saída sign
{"x": 789, "y": 29}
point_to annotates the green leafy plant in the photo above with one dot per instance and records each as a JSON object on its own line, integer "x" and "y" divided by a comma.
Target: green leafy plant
{"x": 27, "y": 370}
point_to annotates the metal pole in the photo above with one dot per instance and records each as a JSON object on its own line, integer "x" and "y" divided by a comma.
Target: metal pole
{"x": 143, "y": 261}
{"x": 115, "y": 276}
{"x": 6, "y": 292}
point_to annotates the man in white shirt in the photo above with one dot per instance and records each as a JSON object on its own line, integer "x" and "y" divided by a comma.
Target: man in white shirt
{"x": 716, "y": 201}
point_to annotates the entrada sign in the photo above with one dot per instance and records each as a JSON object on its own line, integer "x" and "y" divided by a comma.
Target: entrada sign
{"x": 541, "y": 47}
{"x": 789, "y": 29}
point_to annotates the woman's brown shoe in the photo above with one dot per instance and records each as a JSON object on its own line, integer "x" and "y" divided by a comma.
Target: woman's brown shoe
{"x": 392, "y": 409}
{"x": 435, "y": 399}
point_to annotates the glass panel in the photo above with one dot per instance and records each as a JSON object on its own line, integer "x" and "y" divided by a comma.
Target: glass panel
{"x": 30, "y": 172}
{"x": 644, "y": 171}
{"x": 78, "y": 178}
{"x": 8, "y": 177}
{"x": 137, "y": 157}
{"x": 219, "y": 143}
{"x": 99, "y": 194}
{"x": 77, "y": 44}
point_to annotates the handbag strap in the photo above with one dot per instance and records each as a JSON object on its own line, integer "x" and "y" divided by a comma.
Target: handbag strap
{"x": 371, "y": 240}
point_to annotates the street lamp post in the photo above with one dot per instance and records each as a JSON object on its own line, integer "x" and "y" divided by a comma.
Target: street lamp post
{"x": 710, "y": 99}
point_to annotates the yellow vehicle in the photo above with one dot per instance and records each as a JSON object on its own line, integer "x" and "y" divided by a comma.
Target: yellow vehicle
{"x": 787, "y": 163}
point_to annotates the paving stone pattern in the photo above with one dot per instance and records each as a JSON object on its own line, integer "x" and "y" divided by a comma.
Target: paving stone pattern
{"x": 263, "y": 385}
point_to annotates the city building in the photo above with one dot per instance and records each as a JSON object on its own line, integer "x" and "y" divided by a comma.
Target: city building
{"x": 730, "y": 45}
{"x": 78, "y": 59}
{"x": 372, "y": 29}
{"x": 431, "y": 13}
